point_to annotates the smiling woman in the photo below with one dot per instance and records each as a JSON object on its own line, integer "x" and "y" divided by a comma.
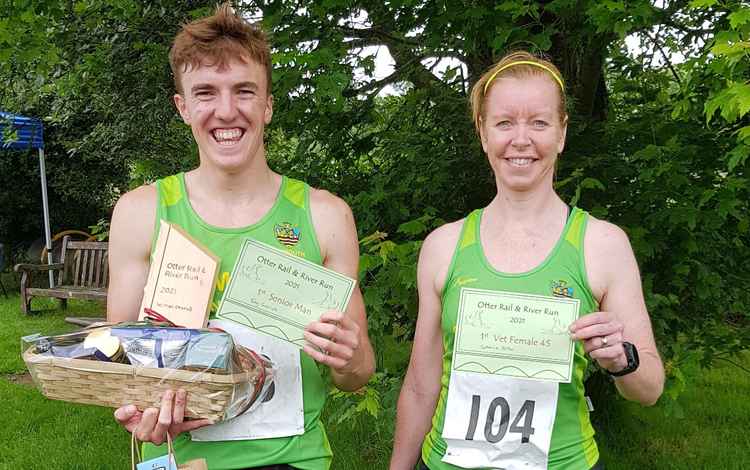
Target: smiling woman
{"x": 520, "y": 250}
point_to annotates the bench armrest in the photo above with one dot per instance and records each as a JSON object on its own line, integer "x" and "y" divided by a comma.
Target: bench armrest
{"x": 37, "y": 267}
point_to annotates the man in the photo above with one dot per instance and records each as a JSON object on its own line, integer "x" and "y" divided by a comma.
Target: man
{"x": 221, "y": 67}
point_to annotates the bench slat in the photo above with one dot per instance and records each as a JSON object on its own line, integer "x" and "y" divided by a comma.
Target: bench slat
{"x": 98, "y": 272}
{"x": 68, "y": 292}
{"x": 76, "y": 266}
{"x": 92, "y": 265}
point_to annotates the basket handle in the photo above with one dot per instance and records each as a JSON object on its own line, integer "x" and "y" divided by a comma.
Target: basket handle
{"x": 135, "y": 450}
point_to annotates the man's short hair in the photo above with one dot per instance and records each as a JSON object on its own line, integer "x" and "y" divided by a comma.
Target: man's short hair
{"x": 215, "y": 41}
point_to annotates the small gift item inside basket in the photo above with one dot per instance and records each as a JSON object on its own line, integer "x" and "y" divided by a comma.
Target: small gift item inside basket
{"x": 135, "y": 363}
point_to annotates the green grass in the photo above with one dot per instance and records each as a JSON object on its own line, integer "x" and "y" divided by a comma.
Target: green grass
{"x": 38, "y": 433}
{"x": 43, "y": 434}
{"x": 713, "y": 434}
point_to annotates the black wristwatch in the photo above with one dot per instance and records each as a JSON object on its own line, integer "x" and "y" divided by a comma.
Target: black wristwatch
{"x": 631, "y": 353}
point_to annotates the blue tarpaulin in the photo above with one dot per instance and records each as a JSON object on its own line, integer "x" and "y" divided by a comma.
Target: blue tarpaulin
{"x": 20, "y": 132}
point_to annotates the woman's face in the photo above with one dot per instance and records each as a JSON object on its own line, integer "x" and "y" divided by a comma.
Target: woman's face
{"x": 521, "y": 132}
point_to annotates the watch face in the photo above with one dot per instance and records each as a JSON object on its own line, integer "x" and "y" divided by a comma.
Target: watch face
{"x": 631, "y": 353}
{"x": 634, "y": 353}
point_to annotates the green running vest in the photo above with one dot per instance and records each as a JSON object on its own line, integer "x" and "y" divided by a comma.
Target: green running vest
{"x": 287, "y": 226}
{"x": 563, "y": 272}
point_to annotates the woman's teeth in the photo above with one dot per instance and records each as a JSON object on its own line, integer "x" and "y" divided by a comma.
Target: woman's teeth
{"x": 521, "y": 161}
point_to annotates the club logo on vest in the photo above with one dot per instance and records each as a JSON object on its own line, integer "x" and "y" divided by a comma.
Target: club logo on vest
{"x": 286, "y": 234}
{"x": 560, "y": 289}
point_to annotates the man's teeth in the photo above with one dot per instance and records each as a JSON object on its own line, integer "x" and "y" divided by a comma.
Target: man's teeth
{"x": 227, "y": 135}
{"x": 521, "y": 161}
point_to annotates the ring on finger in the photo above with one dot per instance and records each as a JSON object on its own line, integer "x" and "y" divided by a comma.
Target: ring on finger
{"x": 604, "y": 340}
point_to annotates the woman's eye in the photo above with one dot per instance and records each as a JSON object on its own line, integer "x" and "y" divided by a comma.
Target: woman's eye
{"x": 504, "y": 124}
{"x": 540, "y": 124}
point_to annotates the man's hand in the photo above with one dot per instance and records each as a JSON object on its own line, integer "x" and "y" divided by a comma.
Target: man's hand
{"x": 333, "y": 340}
{"x": 601, "y": 333}
{"x": 152, "y": 424}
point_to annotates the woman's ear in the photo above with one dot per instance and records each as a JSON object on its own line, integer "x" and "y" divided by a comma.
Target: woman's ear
{"x": 563, "y": 134}
{"x": 482, "y": 134}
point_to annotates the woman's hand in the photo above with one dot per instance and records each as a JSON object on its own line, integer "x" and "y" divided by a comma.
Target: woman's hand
{"x": 152, "y": 424}
{"x": 601, "y": 333}
{"x": 333, "y": 340}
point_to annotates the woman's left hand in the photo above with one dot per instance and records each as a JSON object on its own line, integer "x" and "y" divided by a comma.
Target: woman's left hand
{"x": 601, "y": 333}
{"x": 333, "y": 340}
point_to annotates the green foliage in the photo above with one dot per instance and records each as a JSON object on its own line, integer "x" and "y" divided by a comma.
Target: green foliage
{"x": 96, "y": 72}
{"x": 658, "y": 138}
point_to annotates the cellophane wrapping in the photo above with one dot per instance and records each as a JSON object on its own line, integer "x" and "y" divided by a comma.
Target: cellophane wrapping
{"x": 135, "y": 363}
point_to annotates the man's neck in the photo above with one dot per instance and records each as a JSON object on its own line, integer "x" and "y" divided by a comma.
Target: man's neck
{"x": 245, "y": 185}
{"x": 236, "y": 199}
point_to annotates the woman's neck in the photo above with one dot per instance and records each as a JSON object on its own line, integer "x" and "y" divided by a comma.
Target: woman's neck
{"x": 522, "y": 209}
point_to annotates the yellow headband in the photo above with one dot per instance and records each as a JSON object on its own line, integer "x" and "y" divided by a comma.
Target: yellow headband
{"x": 524, "y": 62}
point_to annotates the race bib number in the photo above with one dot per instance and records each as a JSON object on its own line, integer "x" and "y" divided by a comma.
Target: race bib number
{"x": 498, "y": 422}
{"x": 281, "y": 412}
{"x": 510, "y": 353}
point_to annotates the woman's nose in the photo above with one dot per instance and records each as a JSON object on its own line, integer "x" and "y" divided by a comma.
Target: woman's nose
{"x": 521, "y": 136}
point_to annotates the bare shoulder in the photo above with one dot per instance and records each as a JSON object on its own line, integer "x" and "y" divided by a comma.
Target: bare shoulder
{"x": 440, "y": 243}
{"x": 326, "y": 204}
{"x": 336, "y": 232}
{"x": 139, "y": 200}
{"x": 608, "y": 255}
{"x": 436, "y": 254}
{"x": 134, "y": 217}
{"x": 605, "y": 238}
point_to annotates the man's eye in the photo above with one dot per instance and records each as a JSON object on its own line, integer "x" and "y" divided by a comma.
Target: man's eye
{"x": 201, "y": 95}
{"x": 504, "y": 124}
{"x": 247, "y": 92}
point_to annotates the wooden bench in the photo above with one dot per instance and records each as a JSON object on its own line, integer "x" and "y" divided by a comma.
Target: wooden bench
{"x": 82, "y": 273}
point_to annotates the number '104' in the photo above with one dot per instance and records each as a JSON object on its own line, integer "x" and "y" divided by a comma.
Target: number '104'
{"x": 526, "y": 413}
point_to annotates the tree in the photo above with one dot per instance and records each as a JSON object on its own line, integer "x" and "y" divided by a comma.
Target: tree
{"x": 97, "y": 73}
{"x": 645, "y": 148}
{"x": 658, "y": 139}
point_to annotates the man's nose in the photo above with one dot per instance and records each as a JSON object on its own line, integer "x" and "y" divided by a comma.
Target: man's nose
{"x": 225, "y": 107}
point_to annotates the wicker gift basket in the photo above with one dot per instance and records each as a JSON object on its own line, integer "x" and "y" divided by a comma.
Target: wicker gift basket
{"x": 215, "y": 396}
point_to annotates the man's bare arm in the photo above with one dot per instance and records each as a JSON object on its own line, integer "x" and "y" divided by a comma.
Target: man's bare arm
{"x": 129, "y": 247}
{"x": 343, "y": 335}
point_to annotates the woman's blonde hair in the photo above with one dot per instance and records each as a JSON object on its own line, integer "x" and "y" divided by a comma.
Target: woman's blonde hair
{"x": 518, "y": 64}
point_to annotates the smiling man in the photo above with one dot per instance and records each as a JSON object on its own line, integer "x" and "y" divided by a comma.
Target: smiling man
{"x": 222, "y": 72}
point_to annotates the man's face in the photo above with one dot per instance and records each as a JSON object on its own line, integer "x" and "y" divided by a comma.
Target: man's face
{"x": 227, "y": 110}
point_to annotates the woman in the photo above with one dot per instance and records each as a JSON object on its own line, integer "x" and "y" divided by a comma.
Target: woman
{"x": 527, "y": 244}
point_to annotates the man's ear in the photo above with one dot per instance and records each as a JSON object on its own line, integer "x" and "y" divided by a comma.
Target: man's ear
{"x": 179, "y": 102}
{"x": 269, "y": 109}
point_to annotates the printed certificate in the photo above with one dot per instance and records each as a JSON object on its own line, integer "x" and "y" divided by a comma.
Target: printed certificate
{"x": 279, "y": 294}
{"x": 516, "y": 335}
